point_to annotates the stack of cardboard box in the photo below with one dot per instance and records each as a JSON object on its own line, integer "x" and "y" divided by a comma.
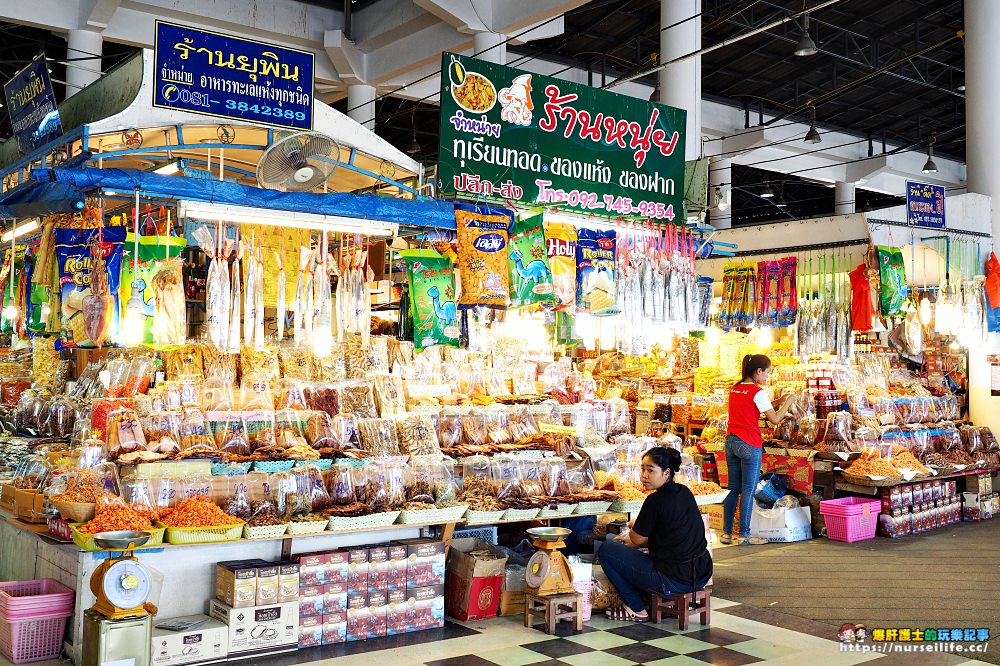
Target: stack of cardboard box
{"x": 258, "y": 603}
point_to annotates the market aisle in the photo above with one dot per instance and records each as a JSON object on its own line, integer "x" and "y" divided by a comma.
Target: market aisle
{"x": 946, "y": 578}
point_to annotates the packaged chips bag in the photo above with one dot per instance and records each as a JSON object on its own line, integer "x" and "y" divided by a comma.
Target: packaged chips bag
{"x": 530, "y": 274}
{"x": 432, "y": 298}
{"x": 482, "y": 255}
{"x": 560, "y": 243}
{"x": 596, "y": 291}
{"x": 892, "y": 276}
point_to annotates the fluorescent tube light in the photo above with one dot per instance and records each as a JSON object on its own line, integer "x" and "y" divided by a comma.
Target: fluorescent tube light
{"x": 168, "y": 168}
{"x": 26, "y": 228}
{"x": 278, "y": 218}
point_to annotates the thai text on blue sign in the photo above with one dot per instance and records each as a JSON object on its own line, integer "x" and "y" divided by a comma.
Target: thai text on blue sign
{"x": 215, "y": 74}
{"x": 34, "y": 114}
{"x": 924, "y": 205}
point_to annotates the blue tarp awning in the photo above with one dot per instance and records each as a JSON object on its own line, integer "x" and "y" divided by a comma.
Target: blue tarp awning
{"x": 421, "y": 212}
{"x": 34, "y": 199}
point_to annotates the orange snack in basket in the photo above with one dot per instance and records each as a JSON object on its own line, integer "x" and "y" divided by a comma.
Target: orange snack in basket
{"x": 705, "y": 488}
{"x": 903, "y": 459}
{"x": 871, "y": 463}
{"x": 199, "y": 512}
{"x": 115, "y": 516}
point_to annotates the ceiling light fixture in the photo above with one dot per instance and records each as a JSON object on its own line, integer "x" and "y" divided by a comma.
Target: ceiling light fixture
{"x": 767, "y": 192}
{"x": 169, "y": 167}
{"x": 414, "y": 147}
{"x": 18, "y": 231}
{"x": 929, "y": 165}
{"x": 806, "y": 45}
{"x": 720, "y": 201}
{"x": 293, "y": 220}
{"x": 779, "y": 200}
{"x": 812, "y": 136}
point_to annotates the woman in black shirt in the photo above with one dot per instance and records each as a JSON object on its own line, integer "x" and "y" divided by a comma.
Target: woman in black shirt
{"x": 671, "y": 525}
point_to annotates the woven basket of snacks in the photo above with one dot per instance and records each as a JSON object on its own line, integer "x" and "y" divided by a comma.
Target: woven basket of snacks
{"x": 264, "y": 531}
{"x": 372, "y": 520}
{"x": 312, "y": 523}
{"x": 557, "y": 510}
{"x": 432, "y": 515}
{"x": 75, "y": 512}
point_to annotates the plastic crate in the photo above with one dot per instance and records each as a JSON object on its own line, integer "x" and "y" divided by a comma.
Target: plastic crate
{"x": 486, "y": 533}
{"x": 21, "y": 596}
{"x": 850, "y": 519}
{"x": 36, "y": 639}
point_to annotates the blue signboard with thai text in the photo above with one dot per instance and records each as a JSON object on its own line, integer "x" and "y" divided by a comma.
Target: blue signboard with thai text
{"x": 215, "y": 74}
{"x": 924, "y": 205}
{"x": 34, "y": 113}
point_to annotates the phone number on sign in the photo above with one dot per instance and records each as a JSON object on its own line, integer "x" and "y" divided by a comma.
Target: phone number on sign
{"x": 608, "y": 202}
{"x": 265, "y": 110}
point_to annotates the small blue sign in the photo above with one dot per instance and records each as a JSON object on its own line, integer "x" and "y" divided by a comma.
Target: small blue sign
{"x": 924, "y": 205}
{"x": 221, "y": 75}
{"x": 34, "y": 113}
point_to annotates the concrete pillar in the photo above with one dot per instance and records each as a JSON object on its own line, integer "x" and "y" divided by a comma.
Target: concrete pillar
{"x": 982, "y": 97}
{"x": 844, "y": 198}
{"x": 720, "y": 175}
{"x": 81, "y": 73}
{"x": 361, "y": 104}
{"x": 680, "y": 84}
{"x": 490, "y": 46}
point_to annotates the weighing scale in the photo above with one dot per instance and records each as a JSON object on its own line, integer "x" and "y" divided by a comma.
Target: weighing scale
{"x": 118, "y": 627}
{"x": 548, "y": 570}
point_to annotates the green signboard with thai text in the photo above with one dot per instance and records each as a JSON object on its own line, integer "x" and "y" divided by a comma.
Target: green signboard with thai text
{"x": 510, "y": 135}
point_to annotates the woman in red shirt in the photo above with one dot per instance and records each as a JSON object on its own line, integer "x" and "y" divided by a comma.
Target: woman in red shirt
{"x": 744, "y": 444}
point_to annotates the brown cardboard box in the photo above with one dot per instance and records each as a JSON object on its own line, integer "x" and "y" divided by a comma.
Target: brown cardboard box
{"x": 236, "y": 583}
{"x": 472, "y": 583}
{"x": 511, "y": 603}
{"x": 288, "y": 582}
{"x": 29, "y": 505}
{"x": 714, "y": 513}
{"x": 7, "y": 497}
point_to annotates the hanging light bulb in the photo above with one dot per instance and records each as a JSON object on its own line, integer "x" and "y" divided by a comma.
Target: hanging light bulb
{"x": 131, "y": 333}
{"x": 46, "y": 310}
{"x": 925, "y": 312}
{"x": 10, "y": 312}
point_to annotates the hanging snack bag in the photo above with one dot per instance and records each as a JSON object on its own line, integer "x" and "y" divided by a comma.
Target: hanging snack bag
{"x": 482, "y": 255}
{"x": 432, "y": 298}
{"x": 560, "y": 243}
{"x": 788, "y": 296}
{"x": 530, "y": 273}
{"x": 892, "y": 276}
{"x": 73, "y": 251}
{"x": 596, "y": 291}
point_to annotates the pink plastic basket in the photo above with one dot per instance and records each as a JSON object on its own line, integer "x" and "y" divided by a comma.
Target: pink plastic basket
{"x": 39, "y": 639}
{"x": 585, "y": 588}
{"x": 20, "y": 596}
{"x": 850, "y": 519}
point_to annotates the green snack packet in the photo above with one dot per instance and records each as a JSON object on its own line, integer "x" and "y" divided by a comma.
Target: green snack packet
{"x": 530, "y": 274}
{"x": 432, "y": 298}
{"x": 892, "y": 275}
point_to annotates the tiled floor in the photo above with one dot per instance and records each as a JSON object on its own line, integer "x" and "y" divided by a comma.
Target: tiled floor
{"x": 733, "y": 639}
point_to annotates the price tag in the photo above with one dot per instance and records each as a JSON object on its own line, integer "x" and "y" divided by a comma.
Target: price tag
{"x": 717, "y": 399}
{"x": 557, "y": 429}
{"x": 679, "y": 400}
{"x": 428, "y": 390}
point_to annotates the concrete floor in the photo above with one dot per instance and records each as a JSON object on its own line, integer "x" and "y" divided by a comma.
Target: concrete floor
{"x": 949, "y": 578}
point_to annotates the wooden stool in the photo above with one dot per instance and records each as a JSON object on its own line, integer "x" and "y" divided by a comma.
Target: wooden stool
{"x": 554, "y": 607}
{"x": 682, "y": 605}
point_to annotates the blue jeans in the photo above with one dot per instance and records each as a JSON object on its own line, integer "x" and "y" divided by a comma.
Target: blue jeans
{"x": 633, "y": 572}
{"x": 744, "y": 463}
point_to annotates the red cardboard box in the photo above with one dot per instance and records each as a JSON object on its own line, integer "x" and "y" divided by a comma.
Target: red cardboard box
{"x": 337, "y": 567}
{"x": 378, "y": 569}
{"x": 474, "y": 575}
{"x": 415, "y": 609}
{"x": 397, "y": 567}
{"x": 334, "y": 628}
{"x": 312, "y": 568}
{"x": 355, "y": 601}
{"x": 311, "y": 600}
{"x": 357, "y": 579}
{"x": 357, "y": 623}
{"x": 310, "y": 631}
{"x": 334, "y": 599}
{"x": 425, "y": 562}
{"x": 377, "y": 620}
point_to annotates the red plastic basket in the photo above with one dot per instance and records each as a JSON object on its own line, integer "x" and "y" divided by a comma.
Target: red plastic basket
{"x": 38, "y": 639}
{"x": 19, "y": 596}
{"x": 850, "y": 519}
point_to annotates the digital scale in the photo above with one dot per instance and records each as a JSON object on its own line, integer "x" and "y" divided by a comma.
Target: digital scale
{"x": 548, "y": 570}
{"x": 118, "y": 627}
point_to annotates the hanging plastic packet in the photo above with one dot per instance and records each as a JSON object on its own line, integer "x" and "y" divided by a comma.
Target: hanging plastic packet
{"x": 169, "y": 325}
{"x": 530, "y": 274}
{"x": 596, "y": 277}
{"x": 305, "y": 255}
{"x": 79, "y": 281}
{"x": 233, "y": 342}
{"x": 482, "y": 255}
{"x": 432, "y": 298}
{"x": 788, "y": 297}
{"x": 250, "y": 296}
{"x": 892, "y": 276}
{"x": 280, "y": 308}
{"x": 560, "y": 244}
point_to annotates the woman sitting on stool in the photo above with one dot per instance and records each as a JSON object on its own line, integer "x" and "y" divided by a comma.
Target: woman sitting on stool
{"x": 671, "y": 525}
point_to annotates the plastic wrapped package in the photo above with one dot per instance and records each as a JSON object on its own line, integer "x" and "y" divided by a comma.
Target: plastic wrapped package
{"x": 140, "y": 374}
{"x": 389, "y": 475}
{"x": 366, "y": 362}
{"x": 949, "y": 408}
{"x": 507, "y": 474}
{"x": 260, "y": 361}
{"x": 531, "y": 477}
{"x": 117, "y": 373}
{"x": 785, "y": 431}
{"x": 497, "y": 424}
{"x": 419, "y": 481}
{"x": 417, "y": 434}
{"x": 524, "y": 378}
{"x": 554, "y": 378}
{"x": 195, "y": 485}
{"x": 340, "y": 484}
{"x": 886, "y": 412}
{"x": 310, "y": 483}
{"x": 323, "y": 397}
{"x": 450, "y": 428}
{"x": 233, "y": 437}
{"x": 216, "y": 395}
{"x": 345, "y": 432}
{"x": 296, "y": 362}
{"x": 807, "y": 432}
{"x": 62, "y": 417}
{"x": 258, "y": 427}
{"x": 972, "y": 440}
{"x": 124, "y": 433}
{"x": 947, "y": 437}
{"x": 140, "y": 492}
{"x": 358, "y": 398}
{"x": 474, "y": 430}
{"x": 378, "y": 437}
{"x": 546, "y": 413}
{"x": 162, "y": 432}
{"x": 554, "y": 477}
{"x": 331, "y": 368}
{"x": 496, "y": 384}
{"x": 194, "y": 432}
{"x": 866, "y": 437}
{"x": 477, "y": 477}
{"x": 389, "y": 395}
{"x": 520, "y": 423}
{"x": 580, "y": 476}
{"x": 838, "y": 427}
{"x": 619, "y": 417}
{"x": 319, "y": 431}
{"x": 290, "y": 394}
{"x": 290, "y": 428}
{"x": 932, "y": 410}
{"x": 255, "y": 392}
{"x": 237, "y": 499}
